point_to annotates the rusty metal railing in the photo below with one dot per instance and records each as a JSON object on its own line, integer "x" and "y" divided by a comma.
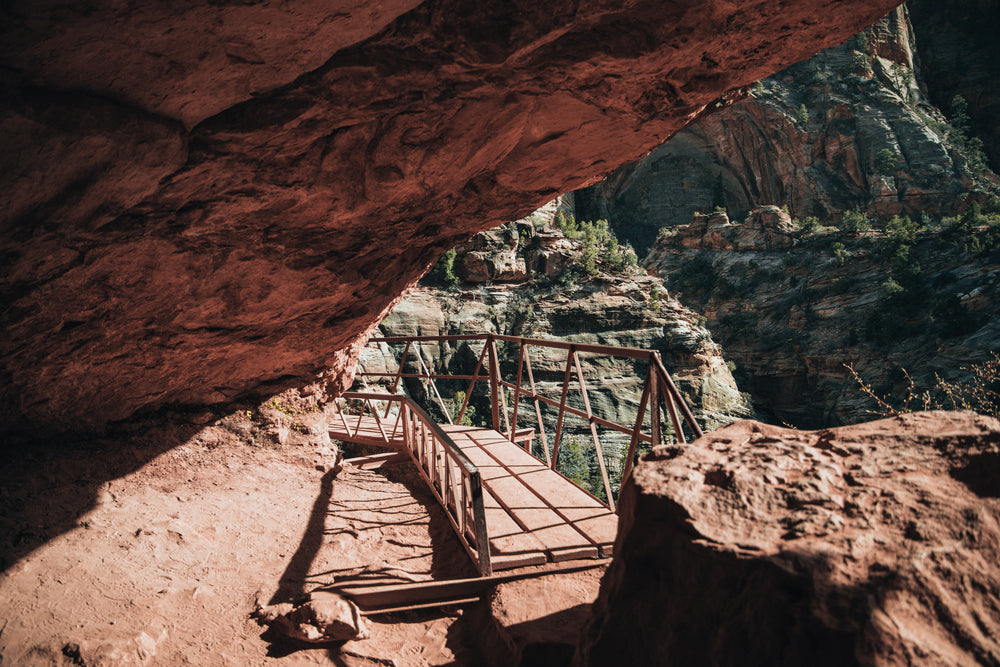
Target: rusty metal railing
{"x": 451, "y": 476}
{"x": 659, "y": 391}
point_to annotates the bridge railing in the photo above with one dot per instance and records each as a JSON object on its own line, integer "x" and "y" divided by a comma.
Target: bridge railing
{"x": 659, "y": 393}
{"x": 389, "y": 428}
{"x": 452, "y": 477}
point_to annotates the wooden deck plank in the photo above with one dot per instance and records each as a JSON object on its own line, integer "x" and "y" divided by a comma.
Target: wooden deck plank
{"x": 509, "y": 471}
{"x": 510, "y": 545}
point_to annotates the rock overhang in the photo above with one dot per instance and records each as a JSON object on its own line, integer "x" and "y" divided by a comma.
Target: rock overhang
{"x": 204, "y": 202}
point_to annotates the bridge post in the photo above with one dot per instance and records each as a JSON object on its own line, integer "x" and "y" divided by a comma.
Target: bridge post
{"x": 491, "y": 344}
{"x": 571, "y": 355}
{"x": 636, "y": 431}
{"x": 517, "y": 392}
{"x": 654, "y": 404}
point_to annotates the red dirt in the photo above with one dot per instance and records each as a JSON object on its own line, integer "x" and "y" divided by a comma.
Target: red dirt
{"x": 164, "y": 563}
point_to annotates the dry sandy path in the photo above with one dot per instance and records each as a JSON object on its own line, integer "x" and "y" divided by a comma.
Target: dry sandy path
{"x": 164, "y": 563}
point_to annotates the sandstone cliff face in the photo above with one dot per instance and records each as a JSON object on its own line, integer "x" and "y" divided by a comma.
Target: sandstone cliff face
{"x": 792, "y": 309}
{"x": 960, "y": 55}
{"x": 533, "y": 296}
{"x": 206, "y": 201}
{"x": 851, "y": 127}
{"x": 867, "y": 545}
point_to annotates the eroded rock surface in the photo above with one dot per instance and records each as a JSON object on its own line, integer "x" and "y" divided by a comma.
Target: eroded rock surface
{"x": 201, "y": 202}
{"x": 325, "y": 617}
{"x": 792, "y": 310}
{"x": 855, "y": 126}
{"x": 872, "y": 544}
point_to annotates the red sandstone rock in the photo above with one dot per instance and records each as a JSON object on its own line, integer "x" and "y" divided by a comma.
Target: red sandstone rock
{"x": 873, "y": 544}
{"x": 326, "y": 617}
{"x": 201, "y": 202}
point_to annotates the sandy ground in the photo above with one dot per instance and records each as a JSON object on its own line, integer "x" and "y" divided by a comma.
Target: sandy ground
{"x": 155, "y": 547}
{"x": 141, "y": 556}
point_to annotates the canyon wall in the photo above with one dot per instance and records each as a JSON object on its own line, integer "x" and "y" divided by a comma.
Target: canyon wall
{"x": 519, "y": 280}
{"x": 960, "y": 55}
{"x": 855, "y": 130}
{"x": 793, "y": 310}
{"x": 530, "y": 279}
{"x": 852, "y": 127}
{"x": 203, "y": 202}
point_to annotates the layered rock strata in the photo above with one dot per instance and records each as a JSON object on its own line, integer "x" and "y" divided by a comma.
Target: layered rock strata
{"x": 533, "y": 297}
{"x": 203, "y": 202}
{"x": 852, "y": 127}
{"x": 793, "y": 310}
{"x": 866, "y": 545}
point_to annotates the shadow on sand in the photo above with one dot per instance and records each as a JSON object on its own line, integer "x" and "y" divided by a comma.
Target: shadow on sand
{"x": 48, "y": 483}
{"x": 416, "y": 505}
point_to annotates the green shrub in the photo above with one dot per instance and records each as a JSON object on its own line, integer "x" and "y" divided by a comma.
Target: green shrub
{"x": 802, "y": 115}
{"x": 861, "y": 64}
{"x": 992, "y": 206}
{"x": 567, "y": 224}
{"x": 469, "y": 417}
{"x": 862, "y": 42}
{"x": 891, "y": 289}
{"x": 654, "y": 299}
{"x": 885, "y": 161}
{"x": 962, "y": 138}
{"x": 904, "y": 265}
{"x": 444, "y": 271}
{"x": 904, "y": 78}
{"x": 808, "y": 225}
{"x": 588, "y": 261}
{"x": 631, "y": 259}
{"x": 854, "y": 222}
{"x": 840, "y": 252}
{"x": 902, "y": 228}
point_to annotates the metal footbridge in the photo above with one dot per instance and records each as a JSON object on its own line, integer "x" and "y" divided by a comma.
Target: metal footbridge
{"x": 501, "y": 484}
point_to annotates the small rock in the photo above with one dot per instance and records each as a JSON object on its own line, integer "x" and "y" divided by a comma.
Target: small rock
{"x": 202, "y": 418}
{"x": 327, "y": 617}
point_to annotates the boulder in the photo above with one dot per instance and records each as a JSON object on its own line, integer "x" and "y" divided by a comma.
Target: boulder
{"x": 767, "y": 228}
{"x": 326, "y": 617}
{"x": 873, "y": 544}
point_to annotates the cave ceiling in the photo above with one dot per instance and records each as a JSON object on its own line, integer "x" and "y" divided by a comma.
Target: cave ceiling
{"x": 203, "y": 201}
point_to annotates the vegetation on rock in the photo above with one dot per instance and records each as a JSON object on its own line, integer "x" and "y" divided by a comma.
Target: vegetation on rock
{"x": 979, "y": 391}
{"x": 916, "y": 292}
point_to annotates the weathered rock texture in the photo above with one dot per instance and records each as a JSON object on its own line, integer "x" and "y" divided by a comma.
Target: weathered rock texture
{"x": 866, "y": 545}
{"x": 791, "y": 310}
{"x": 203, "y": 201}
{"x": 810, "y": 138}
{"x": 625, "y": 309}
{"x": 325, "y": 617}
{"x": 960, "y": 55}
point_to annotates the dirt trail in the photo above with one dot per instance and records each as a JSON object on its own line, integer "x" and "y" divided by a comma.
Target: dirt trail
{"x": 165, "y": 565}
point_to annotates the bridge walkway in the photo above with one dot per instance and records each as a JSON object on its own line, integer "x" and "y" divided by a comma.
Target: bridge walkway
{"x": 508, "y": 508}
{"x": 533, "y": 514}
